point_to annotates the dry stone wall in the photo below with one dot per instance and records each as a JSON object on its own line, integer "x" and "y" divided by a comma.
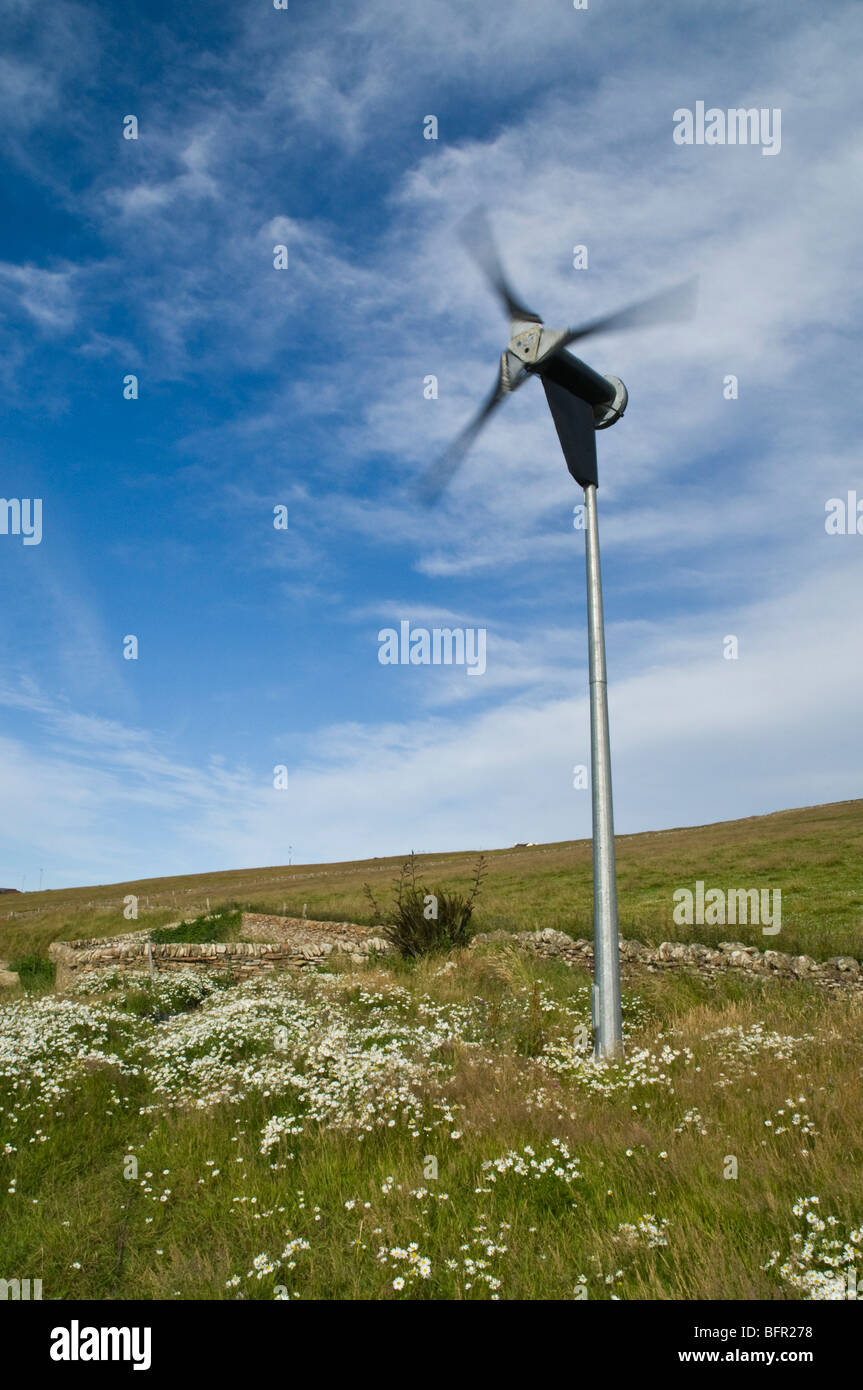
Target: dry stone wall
{"x": 284, "y": 942}
{"x": 834, "y": 973}
{"x": 295, "y": 942}
{"x": 317, "y": 938}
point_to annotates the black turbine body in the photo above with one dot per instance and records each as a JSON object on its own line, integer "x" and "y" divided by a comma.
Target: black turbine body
{"x": 580, "y": 399}
{"x": 567, "y": 382}
{"x": 581, "y": 402}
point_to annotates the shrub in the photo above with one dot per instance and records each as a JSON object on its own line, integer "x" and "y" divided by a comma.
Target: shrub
{"x": 421, "y": 921}
{"x": 220, "y": 925}
{"x": 36, "y": 971}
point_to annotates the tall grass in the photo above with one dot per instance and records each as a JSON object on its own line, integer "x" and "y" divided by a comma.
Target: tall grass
{"x": 35, "y": 970}
{"x": 635, "y": 1202}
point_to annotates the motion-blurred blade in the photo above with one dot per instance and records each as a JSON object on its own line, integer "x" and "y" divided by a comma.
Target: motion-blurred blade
{"x": 441, "y": 473}
{"x": 573, "y": 420}
{"x": 476, "y": 235}
{"x": 676, "y": 305}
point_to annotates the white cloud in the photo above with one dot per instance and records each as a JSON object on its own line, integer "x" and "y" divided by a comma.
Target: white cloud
{"x": 711, "y": 510}
{"x": 47, "y": 296}
{"x": 695, "y": 738}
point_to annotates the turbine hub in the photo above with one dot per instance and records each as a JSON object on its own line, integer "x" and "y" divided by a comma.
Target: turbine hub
{"x": 531, "y": 343}
{"x": 525, "y": 340}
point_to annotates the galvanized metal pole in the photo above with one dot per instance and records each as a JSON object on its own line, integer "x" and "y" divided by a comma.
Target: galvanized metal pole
{"x": 608, "y": 1028}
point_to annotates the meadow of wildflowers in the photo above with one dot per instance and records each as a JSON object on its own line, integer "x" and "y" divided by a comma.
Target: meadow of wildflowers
{"x": 434, "y": 1130}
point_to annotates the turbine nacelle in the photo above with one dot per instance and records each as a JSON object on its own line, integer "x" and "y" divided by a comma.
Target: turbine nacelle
{"x": 528, "y": 349}
{"x": 580, "y": 399}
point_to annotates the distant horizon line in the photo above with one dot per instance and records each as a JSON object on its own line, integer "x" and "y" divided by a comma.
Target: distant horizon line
{"x": 420, "y": 854}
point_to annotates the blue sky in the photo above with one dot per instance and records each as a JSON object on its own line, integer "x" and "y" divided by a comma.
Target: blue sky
{"x": 304, "y": 387}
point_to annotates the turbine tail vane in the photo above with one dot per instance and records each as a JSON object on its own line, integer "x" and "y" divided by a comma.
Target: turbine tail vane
{"x": 576, "y": 430}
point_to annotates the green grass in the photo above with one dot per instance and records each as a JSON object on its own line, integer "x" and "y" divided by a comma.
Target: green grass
{"x": 813, "y": 855}
{"x": 185, "y": 1073}
{"x": 223, "y": 924}
{"x": 36, "y": 971}
{"x": 644, "y": 1146}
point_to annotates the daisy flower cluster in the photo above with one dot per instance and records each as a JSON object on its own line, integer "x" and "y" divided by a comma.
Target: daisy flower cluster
{"x": 45, "y": 1044}
{"x": 822, "y": 1264}
{"x": 639, "y": 1068}
{"x": 263, "y": 1265}
{"x": 692, "y": 1119}
{"x": 559, "y": 1165}
{"x": 741, "y": 1046}
{"x": 170, "y": 990}
{"x": 347, "y": 1059}
{"x": 410, "y": 1266}
{"x": 477, "y": 1256}
{"x": 648, "y": 1230}
{"x": 344, "y": 1071}
{"x": 790, "y": 1119}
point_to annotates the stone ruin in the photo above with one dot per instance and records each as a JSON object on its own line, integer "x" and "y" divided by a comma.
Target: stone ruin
{"x": 277, "y": 941}
{"x": 296, "y": 942}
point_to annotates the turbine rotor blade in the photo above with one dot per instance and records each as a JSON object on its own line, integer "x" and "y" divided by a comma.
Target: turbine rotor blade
{"x": 438, "y": 477}
{"x": 477, "y": 239}
{"x": 675, "y": 305}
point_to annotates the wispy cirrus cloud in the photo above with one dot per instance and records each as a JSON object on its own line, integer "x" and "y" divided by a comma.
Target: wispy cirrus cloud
{"x": 306, "y": 387}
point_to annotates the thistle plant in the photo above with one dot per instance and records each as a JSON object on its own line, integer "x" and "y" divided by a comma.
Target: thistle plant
{"x": 421, "y": 921}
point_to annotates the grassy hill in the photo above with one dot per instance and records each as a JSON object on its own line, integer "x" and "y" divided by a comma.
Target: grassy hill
{"x": 814, "y": 855}
{"x": 436, "y": 1129}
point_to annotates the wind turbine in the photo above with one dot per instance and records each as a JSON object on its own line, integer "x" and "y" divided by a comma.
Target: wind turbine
{"x": 581, "y": 402}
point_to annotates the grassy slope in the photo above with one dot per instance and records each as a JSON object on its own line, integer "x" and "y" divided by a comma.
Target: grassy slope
{"x": 769, "y": 1074}
{"x": 814, "y": 855}
{"x": 780, "y": 1092}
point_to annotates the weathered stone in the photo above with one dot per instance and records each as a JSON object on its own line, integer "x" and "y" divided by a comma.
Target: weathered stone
{"x": 704, "y": 955}
{"x": 777, "y": 960}
{"x": 745, "y": 960}
{"x": 803, "y": 965}
{"x": 846, "y": 965}
{"x": 671, "y": 950}
{"x": 633, "y": 950}
{"x": 554, "y": 938}
{"x": 9, "y": 979}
